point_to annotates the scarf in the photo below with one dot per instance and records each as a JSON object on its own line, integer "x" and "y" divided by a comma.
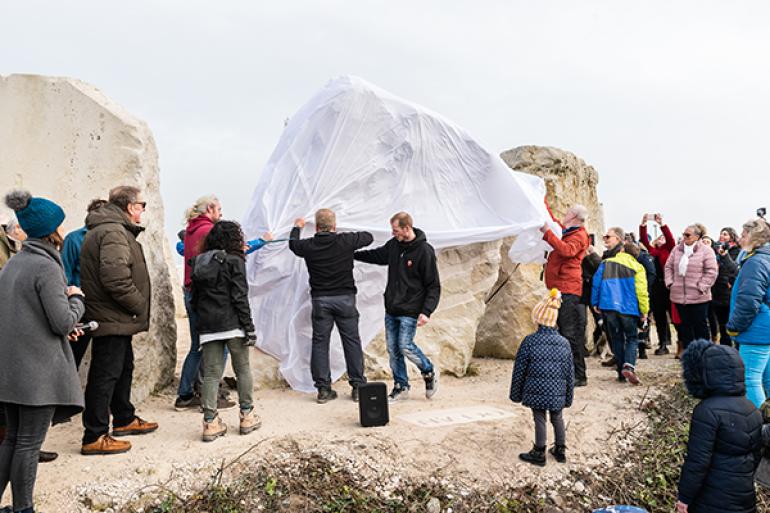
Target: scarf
{"x": 688, "y": 251}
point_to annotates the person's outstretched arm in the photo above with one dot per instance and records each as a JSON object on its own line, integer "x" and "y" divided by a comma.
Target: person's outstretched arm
{"x": 377, "y": 256}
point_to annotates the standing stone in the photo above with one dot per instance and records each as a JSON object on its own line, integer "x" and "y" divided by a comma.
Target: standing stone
{"x": 65, "y": 140}
{"x": 569, "y": 180}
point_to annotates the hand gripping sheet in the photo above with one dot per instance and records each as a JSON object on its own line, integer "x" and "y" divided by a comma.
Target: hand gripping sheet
{"x": 367, "y": 154}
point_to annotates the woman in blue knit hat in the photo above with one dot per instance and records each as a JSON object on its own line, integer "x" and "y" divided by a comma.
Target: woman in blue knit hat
{"x": 38, "y": 381}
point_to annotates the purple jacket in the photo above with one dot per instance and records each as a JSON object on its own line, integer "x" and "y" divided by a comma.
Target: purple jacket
{"x": 695, "y": 286}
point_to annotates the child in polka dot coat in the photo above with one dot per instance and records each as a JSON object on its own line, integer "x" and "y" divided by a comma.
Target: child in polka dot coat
{"x": 543, "y": 379}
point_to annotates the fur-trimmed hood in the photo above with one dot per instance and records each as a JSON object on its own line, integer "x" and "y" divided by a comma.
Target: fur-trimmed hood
{"x": 713, "y": 370}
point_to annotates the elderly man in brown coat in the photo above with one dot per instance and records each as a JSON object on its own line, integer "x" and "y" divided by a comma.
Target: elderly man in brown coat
{"x": 116, "y": 284}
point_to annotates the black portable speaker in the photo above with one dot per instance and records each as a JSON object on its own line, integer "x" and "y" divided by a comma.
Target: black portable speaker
{"x": 373, "y": 404}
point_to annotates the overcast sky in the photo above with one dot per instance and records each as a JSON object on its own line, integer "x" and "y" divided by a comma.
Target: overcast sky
{"x": 670, "y": 101}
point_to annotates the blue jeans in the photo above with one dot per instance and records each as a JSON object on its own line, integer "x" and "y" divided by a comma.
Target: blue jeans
{"x": 624, "y": 336}
{"x": 191, "y": 369}
{"x": 399, "y": 334}
{"x": 756, "y": 359}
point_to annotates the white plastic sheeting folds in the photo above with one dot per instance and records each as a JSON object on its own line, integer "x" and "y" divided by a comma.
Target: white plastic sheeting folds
{"x": 367, "y": 154}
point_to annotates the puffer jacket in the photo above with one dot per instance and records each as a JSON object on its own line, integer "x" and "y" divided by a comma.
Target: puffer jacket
{"x": 543, "y": 373}
{"x": 220, "y": 293}
{"x": 724, "y": 447}
{"x": 695, "y": 286}
{"x": 620, "y": 285}
{"x": 750, "y": 300}
{"x": 113, "y": 274}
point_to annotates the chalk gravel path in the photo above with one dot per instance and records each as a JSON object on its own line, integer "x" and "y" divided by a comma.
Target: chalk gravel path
{"x": 475, "y": 452}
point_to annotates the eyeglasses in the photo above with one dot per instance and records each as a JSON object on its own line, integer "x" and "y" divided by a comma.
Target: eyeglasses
{"x": 608, "y": 237}
{"x": 685, "y": 234}
{"x": 142, "y": 203}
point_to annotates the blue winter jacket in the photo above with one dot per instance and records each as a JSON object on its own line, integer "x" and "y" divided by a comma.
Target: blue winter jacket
{"x": 620, "y": 285}
{"x": 543, "y": 374}
{"x": 750, "y": 300}
{"x": 70, "y": 255}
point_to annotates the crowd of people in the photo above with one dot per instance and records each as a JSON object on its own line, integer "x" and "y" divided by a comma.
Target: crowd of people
{"x": 709, "y": 290}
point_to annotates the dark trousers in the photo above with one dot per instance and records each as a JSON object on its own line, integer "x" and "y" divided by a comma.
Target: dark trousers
{"x": 19, "y": 452}
{"x": 661, "y": 306}
{"x": 557, "y": 420}
{"x": 342, "y": 311}
{"x": 109, "y": 386}
{"x": 79, "y": 348}
{"x": 694, "y": 323}
{"x": 718, "y": 317}
{"x": 572, "y": 326}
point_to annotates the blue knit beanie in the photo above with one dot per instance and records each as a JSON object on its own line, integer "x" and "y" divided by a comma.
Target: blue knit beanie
{"x": 38, "y": 217}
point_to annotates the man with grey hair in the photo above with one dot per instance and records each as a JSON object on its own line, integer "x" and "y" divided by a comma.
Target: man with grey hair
{"x": 563, "y": 271}
{"x": 329, "y": 259}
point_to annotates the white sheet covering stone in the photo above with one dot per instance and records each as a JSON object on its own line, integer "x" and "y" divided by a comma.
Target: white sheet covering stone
{"x": 366, "y": 154}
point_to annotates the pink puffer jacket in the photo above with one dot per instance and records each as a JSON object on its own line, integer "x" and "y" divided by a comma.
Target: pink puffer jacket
{"x": 695, "y": 286}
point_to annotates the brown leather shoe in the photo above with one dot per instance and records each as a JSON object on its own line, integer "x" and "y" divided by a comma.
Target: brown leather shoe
{"x": 137, "y": 427}
{"x": 105, "y": 444}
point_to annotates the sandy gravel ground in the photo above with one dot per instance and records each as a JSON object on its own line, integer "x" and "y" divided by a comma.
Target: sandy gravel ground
{"x": 478, "y": 452}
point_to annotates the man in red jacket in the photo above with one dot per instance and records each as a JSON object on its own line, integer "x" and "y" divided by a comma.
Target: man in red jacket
{"x": 563, "y": 271}
{"x": 200, "y": 220}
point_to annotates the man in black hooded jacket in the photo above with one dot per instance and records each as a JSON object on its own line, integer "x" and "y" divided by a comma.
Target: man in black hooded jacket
{"x": 411, "y": 296}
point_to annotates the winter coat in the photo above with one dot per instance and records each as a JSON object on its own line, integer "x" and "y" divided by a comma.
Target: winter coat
{"x": 329, "y": 260}
{"x": 220, "y": 293}
{"x": 724, "y": 447}
{"x": 695, "y": 286}
{"x": 661, "y": 253}
{"x": 70, "y": 255}
{"x": 728, "y": 270}
{"x": 563, "y": 270}
{"x": 413, "y": 285}
{"x": 620, "y": 285}
{"x": 36, "y": 363}
{"x": 648, "y": 262}
{"x": 543, "y": 373}
{"x": 194, "y": 236}
{"x": 113, "y": 273}
{"x": 750, "y": 301}
{"x": 589, "y": 266}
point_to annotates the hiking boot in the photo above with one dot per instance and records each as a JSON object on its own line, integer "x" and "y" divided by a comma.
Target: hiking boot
{"x": 621, "y": 379}
{"x": 630, "y": 375}
{"x": 557, "y": 451}
{"x": 214, "y": 429}
{"x": 536, "y": 456}
{"x": 250, "y": 421}
{"x": 46, "y": 456}
{"x": 136, "y": 427}
{"x": 230, "y": 382}
{"x": 398, "y": 394}
{"x": 192, "y": 402}
{"x": 325, "y": 395}
{"x": 642, "y": 352}
{"x": 431, "y": 384}
{"x": 661, "y": 351}
{"x": 610, "y": 363}
{"x": 105, "y": 444}
{"x": 581, "y": 382}
{"x": 354, "y": 394}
